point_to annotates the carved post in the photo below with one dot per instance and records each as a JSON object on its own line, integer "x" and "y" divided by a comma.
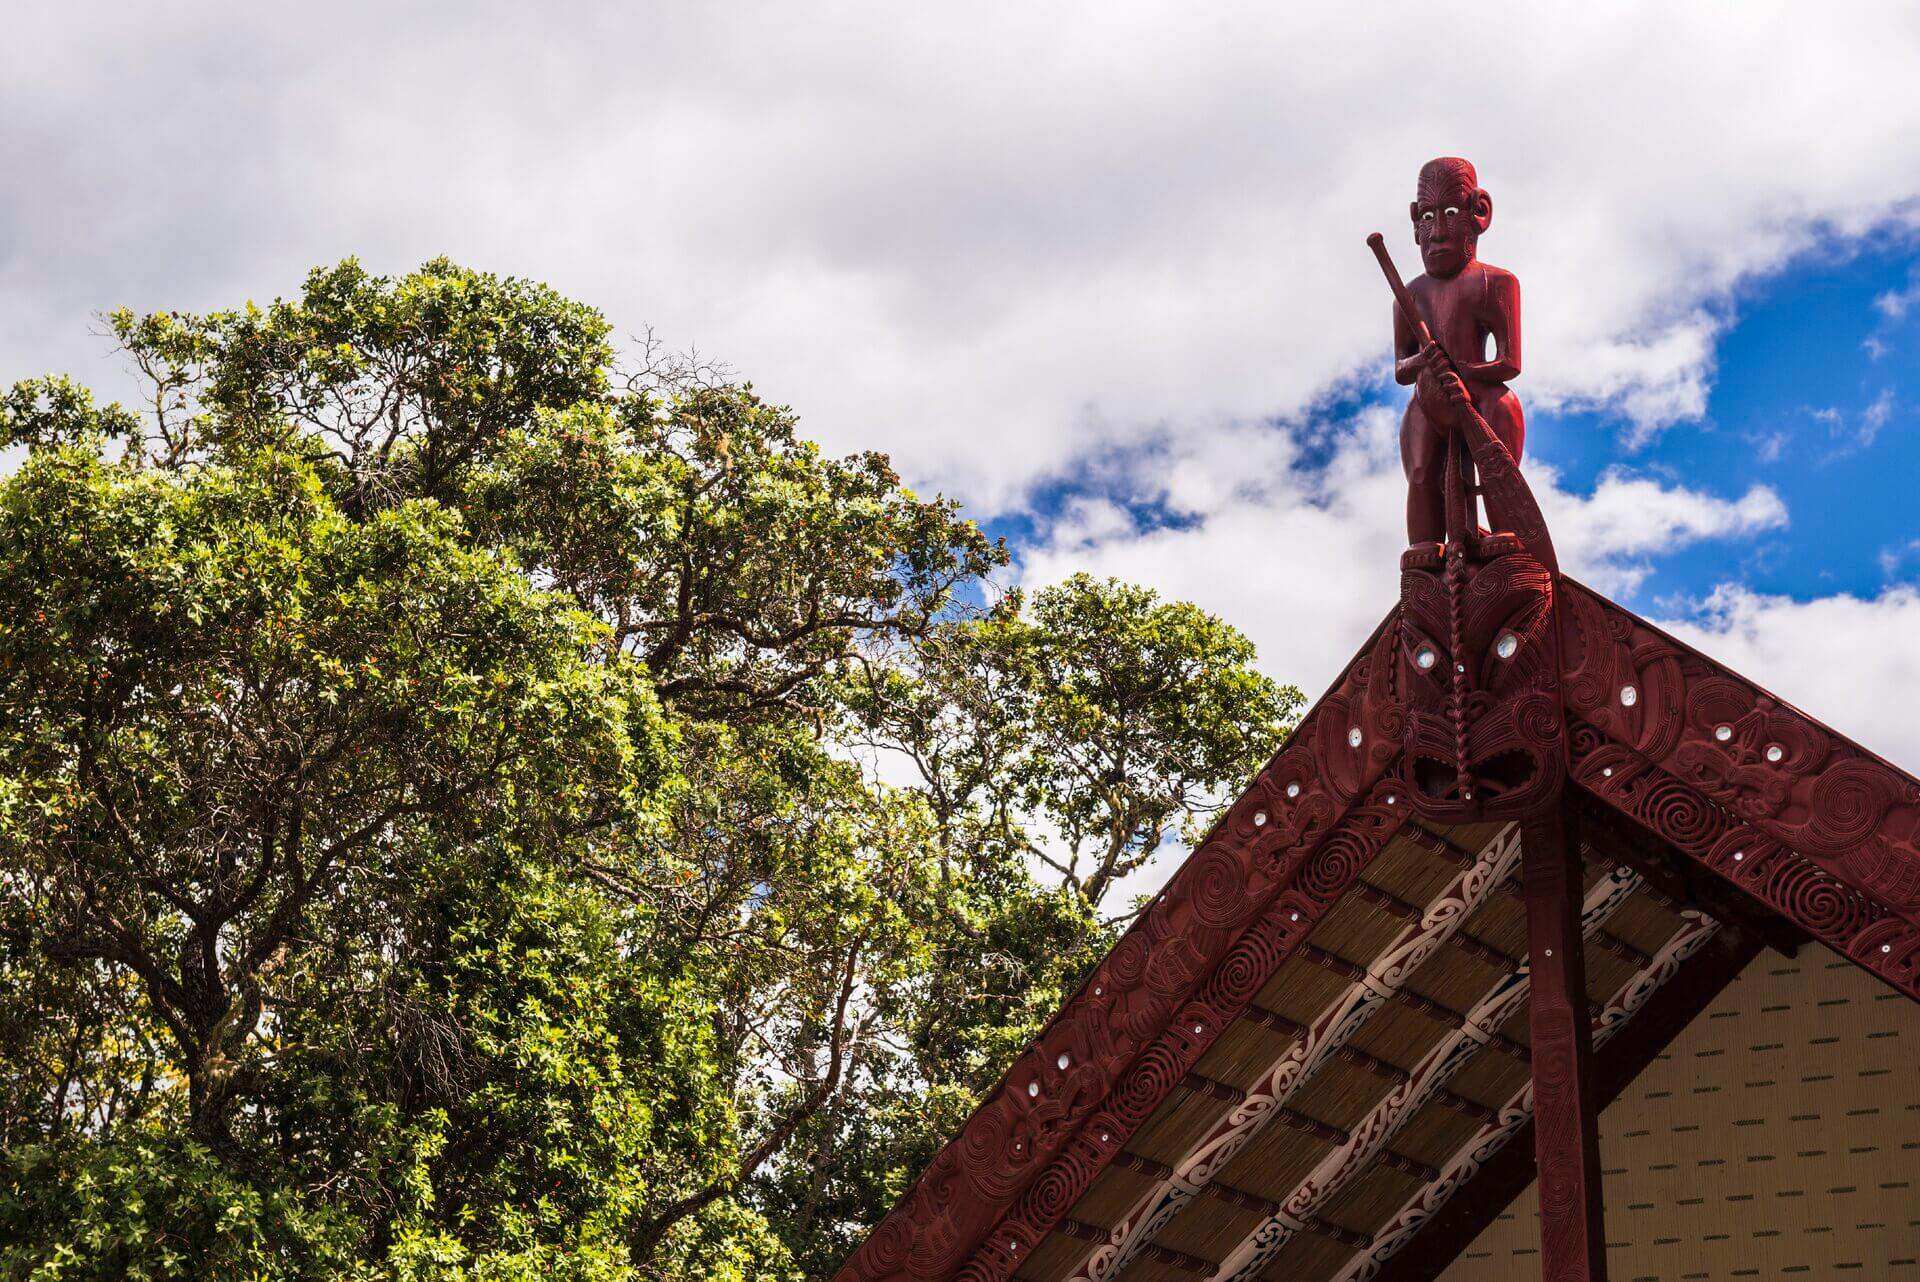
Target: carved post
{"x": 1573, "y": 1244}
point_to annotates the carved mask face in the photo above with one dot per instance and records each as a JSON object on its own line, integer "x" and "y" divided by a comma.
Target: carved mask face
{"x": 1508, "y": 698}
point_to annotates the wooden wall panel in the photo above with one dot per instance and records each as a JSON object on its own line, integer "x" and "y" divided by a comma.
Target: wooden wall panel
{"x": 1778, "y": 1137}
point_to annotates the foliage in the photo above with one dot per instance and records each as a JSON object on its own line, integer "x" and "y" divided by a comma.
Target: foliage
{"x": 1080, "y": 733}
{"x": 469, "y": 812}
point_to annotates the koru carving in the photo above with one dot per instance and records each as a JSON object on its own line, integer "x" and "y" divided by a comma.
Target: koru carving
{"x": 1479, "y": 656}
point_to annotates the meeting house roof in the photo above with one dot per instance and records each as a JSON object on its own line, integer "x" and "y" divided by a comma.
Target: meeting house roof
{"x": 1309, "y": 1058}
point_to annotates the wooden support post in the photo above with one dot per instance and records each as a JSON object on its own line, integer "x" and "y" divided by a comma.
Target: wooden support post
{"x": 1466, "y": 1215}
{"x": 1573, "y": 1244}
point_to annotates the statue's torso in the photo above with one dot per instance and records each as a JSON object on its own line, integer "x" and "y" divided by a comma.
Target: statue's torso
{"x": 1459, "y": 310}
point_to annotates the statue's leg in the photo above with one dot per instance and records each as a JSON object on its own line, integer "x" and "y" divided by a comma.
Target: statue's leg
{"x": 1501, "y": 408}
{"x": 1423, "y": 455}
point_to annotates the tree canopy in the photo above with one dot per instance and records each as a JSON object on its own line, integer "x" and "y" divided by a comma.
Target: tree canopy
{"x": 475, "y": 804}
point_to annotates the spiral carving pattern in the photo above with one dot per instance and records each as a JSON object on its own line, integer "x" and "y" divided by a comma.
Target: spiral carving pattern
{"x": 1334, "y": 869}
{"x": 1055, "y": 1191}
{"x": 1800, "y": 888}
{"x": 1220, "y": 888}
{"x": 1758, "y": 760}
{"x": 1819, "y": 902}
{"x": 1680, "y": 814}
{"x": 1849, "y": 801}
{"x": 995, "y": 1157}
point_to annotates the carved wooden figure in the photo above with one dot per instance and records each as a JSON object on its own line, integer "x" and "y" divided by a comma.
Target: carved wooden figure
{"x": 1469, "y": 306}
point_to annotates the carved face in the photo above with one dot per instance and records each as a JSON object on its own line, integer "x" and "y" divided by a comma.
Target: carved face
{"x": 1449, "y": 213}
{"x": 1508, "y": 697}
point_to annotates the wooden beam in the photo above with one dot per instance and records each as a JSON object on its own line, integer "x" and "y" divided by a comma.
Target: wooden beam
{"x": 1573, "y": 1242}
{"x": 1255, "y": 1100}
{"x": 1315, "y": 1192}
{"x": 1453, "y": 1228}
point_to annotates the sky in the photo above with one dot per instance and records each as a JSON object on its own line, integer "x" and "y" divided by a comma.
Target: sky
{"x": 1099, "y": 269}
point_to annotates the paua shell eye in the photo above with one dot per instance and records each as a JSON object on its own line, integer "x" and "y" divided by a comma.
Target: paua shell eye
{"x": 1506, "y": 645}
{"x": 1425, "y": 657}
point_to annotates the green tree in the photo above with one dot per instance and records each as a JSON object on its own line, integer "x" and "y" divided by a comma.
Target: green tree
{"x": 1080, "y": 733}
{"x": 451, "y": 818}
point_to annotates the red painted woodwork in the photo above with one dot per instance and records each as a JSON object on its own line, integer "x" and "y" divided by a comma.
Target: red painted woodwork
{"x": 1459, "y": 305}
{"x": 1572, "y": 1237}
{"x": 1765, "y": 762}
{"x": 1480, "y": 670}
{"x": 1788, "y": 811}
{"x": 1479, "y": 658}
{"x": 1852, "y": 923}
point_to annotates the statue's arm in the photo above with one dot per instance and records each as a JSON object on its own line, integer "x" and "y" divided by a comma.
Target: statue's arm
{"x": 1501, "y": 316}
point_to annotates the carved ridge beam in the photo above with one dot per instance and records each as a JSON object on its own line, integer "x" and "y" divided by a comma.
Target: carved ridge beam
{"x": 1309, "y": 1048}
{"x": 1338, "y": 1169}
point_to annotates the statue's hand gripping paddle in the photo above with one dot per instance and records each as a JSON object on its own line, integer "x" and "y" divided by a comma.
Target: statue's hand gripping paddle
{"x": 1510, "y": 503}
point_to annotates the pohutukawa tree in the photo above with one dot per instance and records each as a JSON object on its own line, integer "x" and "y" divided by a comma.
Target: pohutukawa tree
{"x": 445, "y": 818}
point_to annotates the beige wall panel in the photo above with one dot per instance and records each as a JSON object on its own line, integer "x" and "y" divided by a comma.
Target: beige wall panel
{"x": 1778, "y": 1137}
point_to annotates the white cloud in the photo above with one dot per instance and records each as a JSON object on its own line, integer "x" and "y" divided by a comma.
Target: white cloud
{"x": 993, "y": 240}
{"x": 1610, "y": 536}
{"x": 1856, "y": 432}
{"x": 1875, "y": 416}
{"x": 1304, "y": 556}
{"x": 1769, "y": 446}
{"x": 1895, "y": 303}
{"x": 1893, "y": 559}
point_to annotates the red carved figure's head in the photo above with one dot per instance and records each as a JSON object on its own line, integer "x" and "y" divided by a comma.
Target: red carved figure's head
{"x": 1450, "y": 209}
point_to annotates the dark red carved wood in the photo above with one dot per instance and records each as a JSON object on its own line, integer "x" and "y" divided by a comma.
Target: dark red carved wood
{"x": 1572, "y": 1239}
{"x": 1446, "y": 317}
{"x": 1766, "y": 764}
{"x": 1479, "y": 651}
{"x": 1619, "y": 840}
{"x": 1480, "y": 670}
{"x": 1852, "y": 923}
{"x": 1284, "y": 852}
{"x": 1507, "y": 1174}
